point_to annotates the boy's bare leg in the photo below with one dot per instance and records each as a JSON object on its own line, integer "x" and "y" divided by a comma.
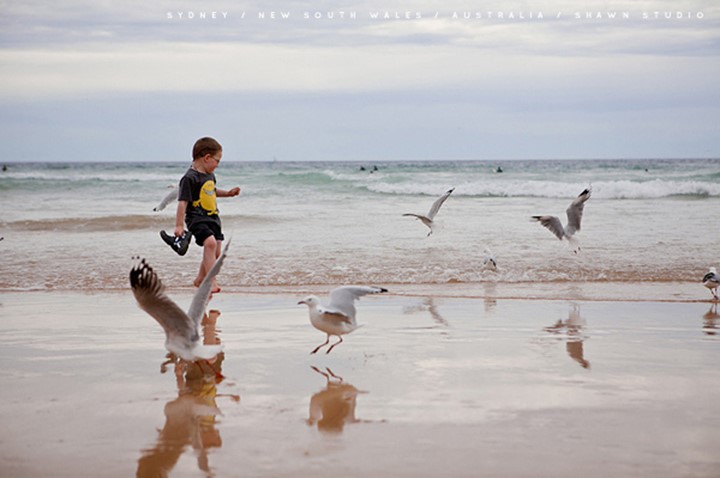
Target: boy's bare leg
{"x": 211, "y": 251}
{"x": 218, "y": 249}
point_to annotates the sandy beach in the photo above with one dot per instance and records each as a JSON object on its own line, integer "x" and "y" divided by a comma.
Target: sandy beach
{"x": 432, "y": 385}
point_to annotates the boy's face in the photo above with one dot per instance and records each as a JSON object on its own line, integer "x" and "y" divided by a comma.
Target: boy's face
{"x": 211, "y": 161}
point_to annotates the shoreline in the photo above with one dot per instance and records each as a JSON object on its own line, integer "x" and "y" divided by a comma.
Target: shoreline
{"x": 671, "y": 292}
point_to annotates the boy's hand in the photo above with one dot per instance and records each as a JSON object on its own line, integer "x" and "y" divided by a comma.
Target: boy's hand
{"x": 234, "y": 192}
{"x": 179, "y": 230}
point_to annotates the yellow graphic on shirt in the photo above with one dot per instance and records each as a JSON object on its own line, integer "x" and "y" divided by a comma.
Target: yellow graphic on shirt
{"x": 208, "y": 198}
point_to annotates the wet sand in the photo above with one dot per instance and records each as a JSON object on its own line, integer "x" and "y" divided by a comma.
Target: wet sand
{"x": 430, "y": 386}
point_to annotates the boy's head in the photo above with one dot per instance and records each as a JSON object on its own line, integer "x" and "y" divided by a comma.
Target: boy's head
{"x": 205, "y": 146}
{"x": 207, "y": 153}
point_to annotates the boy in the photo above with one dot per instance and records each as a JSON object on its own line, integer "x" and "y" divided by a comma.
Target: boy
{"x": 197, "y": 205}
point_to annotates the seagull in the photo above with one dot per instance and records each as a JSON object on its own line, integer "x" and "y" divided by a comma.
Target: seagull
{"x": 489, "y": 261}
{"x": 181, "y": 329}
{"x": 171, "y": 196}
{"x": 338, "y": 317}
{"x": 574, "y": 215}
{"x": 711, "y": 280}
{"x": 429, "y": 219}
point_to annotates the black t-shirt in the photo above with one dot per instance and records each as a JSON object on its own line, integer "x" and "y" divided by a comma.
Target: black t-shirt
{"x": 198, "y": 189}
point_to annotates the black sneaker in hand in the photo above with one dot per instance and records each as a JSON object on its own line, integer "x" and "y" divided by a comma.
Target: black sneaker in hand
{"x": 178, "y": 244}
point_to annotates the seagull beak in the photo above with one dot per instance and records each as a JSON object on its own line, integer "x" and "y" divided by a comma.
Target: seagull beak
{"x": 302, "y": 302}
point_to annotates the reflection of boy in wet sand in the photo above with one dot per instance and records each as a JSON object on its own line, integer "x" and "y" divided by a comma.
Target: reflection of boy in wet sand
{"x": 190, "y": 418}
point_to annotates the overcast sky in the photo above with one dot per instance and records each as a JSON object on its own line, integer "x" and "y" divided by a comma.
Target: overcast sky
{"x": 141, "y": 80}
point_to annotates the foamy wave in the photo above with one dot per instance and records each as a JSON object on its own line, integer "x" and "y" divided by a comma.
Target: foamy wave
{"x": 546, "y": 189}
{"x": 655, "y": 189}
{"x": 95, "y": 178}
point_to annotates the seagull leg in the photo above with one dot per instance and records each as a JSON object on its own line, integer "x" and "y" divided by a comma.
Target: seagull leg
{"x": 334, "y": 376}
{"x": 333, "y": 345}
{"x": 321, "y": 345}
{"x": 327, "y": 377}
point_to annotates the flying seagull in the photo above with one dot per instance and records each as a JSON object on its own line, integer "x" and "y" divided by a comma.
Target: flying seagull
{"x": 428, "y": 220}
{"x": 338, "y": 317}
{"x": 711, "y": 280}
{"x": 181, "y": 329}
{"x": 171, "y": 196}
{"x": 574, "y": 215}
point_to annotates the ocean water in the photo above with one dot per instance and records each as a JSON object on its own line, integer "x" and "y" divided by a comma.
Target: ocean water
{"x": 69, "y": 226}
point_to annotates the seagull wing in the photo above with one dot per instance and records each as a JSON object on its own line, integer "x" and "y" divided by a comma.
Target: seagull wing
{"x": 553, "y": 224}
{"x": 711, "y": 277}
{"x": 342, "y": 299}
{"x": 202, "y": 295}
{"x": 150, "y": 295}
{"x": 575, "y": 212}
{"x": 171, "y": 196}
{"x": 335, "y": 316}
{"x": 439, "y": 202}
{"x": 428, "y": 222}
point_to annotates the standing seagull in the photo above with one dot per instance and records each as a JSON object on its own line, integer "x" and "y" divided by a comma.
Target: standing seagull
{"x": 574, "y": 215}
{"x": 429, "y": 219}
{"x": 181, "y": 329}
{"x": 711, "y": 280}
{"x": 489, "y": 261}
{"x": 338, "y": 317}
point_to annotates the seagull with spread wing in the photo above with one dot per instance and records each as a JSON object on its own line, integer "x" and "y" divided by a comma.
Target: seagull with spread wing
{"x": 338, "y": 317}
{"x": 711, "y": 280}
{"x": 429, "y": 219}
{"x": 171, "y": 196}
{"x": 181, "y": 329}
{"x": 574, "y": 216}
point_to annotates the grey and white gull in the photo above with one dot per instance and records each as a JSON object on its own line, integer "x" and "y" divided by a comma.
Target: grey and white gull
{"x": 429, "y": 218}
{"x": 711, "y": 280}
{"x": 181, "y": 329}
{"x": 574, "y": 217}
{"x": 338, "y": 317}
{"x": 170, "y": 197}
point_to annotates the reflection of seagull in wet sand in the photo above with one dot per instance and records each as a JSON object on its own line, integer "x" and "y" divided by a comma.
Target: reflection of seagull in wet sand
{"x": 338, "y": 317}
{"x": 429, "y": 219}
{"x": 333, "y": 407}
{"x": 429, "y": 305}
{"x": 574, "y": 344}
{"x": 181, "y": 329}
{"x": 574, "y": 215}
{"x": 711, "y": 280}
{"x": 171, "y": 196}
{"x": 711, "y": 318}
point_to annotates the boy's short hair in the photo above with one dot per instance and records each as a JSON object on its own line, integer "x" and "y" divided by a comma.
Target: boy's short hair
{"x": 205, "y": 146}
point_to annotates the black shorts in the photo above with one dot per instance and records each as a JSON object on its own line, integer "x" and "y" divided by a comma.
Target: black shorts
{"x": 204, "y": 229}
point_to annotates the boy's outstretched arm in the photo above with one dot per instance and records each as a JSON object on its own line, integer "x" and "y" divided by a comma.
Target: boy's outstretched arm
{"x": 227, "y": 194}
{"x": 180, "y": 218}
